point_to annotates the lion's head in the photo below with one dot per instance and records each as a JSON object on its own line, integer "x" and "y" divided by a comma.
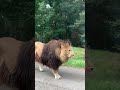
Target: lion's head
{"x": 65, "y": 50}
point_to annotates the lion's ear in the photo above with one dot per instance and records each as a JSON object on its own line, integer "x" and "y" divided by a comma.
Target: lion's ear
{"x": 62, "y": 46}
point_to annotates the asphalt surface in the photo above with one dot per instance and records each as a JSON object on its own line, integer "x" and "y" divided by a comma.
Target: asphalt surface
{"x": 71, "y": 79}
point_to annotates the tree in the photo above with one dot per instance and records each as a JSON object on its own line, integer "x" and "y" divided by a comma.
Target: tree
{"x": 56, "y": 19}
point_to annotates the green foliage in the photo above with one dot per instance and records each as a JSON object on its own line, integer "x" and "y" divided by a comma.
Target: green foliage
{"x": 59, "y": 20}
{"x": 78, "y": 60}
{"x": 80, "y": 26}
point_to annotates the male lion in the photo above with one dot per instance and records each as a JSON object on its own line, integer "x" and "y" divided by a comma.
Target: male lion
{"x": 53, "y": 54}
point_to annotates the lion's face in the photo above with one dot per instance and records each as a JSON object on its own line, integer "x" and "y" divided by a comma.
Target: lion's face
{"x": 66, "y": 52}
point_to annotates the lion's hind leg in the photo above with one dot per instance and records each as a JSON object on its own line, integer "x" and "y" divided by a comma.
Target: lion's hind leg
{"x": 40, "y": 67}
{"x": 56, "y": 74}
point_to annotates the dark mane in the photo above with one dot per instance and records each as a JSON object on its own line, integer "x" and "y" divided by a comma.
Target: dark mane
{"x": 49, "y": 56}
{"x": 22, "y": 76}
{"x": 24, "y": 71}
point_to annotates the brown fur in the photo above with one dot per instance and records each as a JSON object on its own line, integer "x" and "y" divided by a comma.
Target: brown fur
{"x": 49, "y": 56}
{"x": 17, "y": 63}
{"x": 38, "y": 50}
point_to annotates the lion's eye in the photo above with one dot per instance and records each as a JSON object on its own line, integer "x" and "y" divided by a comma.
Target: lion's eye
{"x": 69, "y": 50}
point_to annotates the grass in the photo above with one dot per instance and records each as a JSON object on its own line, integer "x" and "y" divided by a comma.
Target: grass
{"x": 106, "y": 71}
{"x": 78, "y": 60}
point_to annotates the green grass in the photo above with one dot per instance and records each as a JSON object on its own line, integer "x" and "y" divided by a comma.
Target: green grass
{"x": 78, "y": 60}
{"x": 106, "y": 74}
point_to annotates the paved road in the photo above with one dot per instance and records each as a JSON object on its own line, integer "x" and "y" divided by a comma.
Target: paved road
{"x": 72, "y": 79}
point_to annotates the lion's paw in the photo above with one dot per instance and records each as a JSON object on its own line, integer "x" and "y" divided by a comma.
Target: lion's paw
{"x": 40, "y": 69}
{"x": 57, "y": 77}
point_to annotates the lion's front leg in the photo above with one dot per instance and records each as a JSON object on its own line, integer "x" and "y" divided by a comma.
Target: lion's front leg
{"x": 56, "y": 74}
{"x": 40, "y": 67}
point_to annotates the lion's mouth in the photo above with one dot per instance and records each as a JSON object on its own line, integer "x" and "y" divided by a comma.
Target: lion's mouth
{"x": 71, "y": 56}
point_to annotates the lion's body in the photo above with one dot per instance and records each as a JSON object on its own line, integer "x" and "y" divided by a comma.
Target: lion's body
{"x": 14, "y": 61}
{"x": 53, "y": 54}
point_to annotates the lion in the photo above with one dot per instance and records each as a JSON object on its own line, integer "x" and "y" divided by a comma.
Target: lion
{"x": 53, "y": 54}
{"x": 17, "y": 63}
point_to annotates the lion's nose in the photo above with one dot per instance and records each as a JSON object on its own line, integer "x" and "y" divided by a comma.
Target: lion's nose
{"x": 73, "y": 55}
